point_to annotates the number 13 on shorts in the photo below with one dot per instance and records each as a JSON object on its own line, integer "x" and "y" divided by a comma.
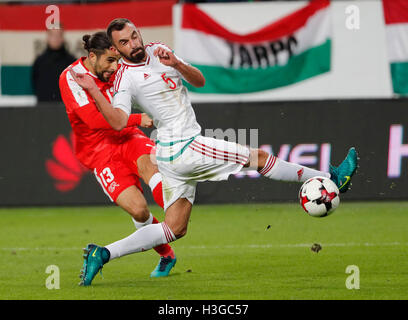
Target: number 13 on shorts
{"x": 106, "y": 176}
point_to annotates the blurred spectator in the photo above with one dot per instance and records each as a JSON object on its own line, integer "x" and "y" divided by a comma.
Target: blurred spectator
{"x": 49, "y": 65}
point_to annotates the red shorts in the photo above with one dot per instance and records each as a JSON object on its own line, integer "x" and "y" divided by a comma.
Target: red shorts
{"x": 121, "y": 172}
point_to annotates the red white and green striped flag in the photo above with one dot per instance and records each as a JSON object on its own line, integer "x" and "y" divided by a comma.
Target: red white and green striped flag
{"x": 22, "y": 31}
{"x": 396, "y": 21}
{"x": 286, "y": 51}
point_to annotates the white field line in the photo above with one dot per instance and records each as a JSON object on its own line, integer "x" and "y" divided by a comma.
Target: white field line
{"x": 255, "y": 246}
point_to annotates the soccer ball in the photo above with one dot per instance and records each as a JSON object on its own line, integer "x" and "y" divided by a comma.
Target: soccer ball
{"x": 319, "y": 196}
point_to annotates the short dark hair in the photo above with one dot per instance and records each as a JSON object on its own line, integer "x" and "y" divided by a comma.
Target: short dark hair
{"x": 97, "y": 43}
{"x": 117, "y": 25}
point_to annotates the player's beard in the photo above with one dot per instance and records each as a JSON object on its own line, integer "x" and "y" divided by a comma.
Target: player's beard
{"x": 101, "y": 75}
{"x": 136, "y": 56}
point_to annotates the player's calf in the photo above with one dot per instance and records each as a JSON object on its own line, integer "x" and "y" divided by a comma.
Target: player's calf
{"x": 177, "y": 217}
{"x": 179, "y": 231}
{"x": 257, "y": 159}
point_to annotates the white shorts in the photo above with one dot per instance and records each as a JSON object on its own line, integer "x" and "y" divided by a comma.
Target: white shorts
{"x": 183, "y": 164}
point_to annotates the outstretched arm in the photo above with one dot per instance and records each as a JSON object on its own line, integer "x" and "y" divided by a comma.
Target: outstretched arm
{"x": 116, "y": 118}
{"x": 94, "y": 119}
{"x": 190, "y": 73}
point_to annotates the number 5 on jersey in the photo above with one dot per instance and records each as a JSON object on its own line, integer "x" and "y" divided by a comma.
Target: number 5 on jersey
{"x": 172, "y": 85}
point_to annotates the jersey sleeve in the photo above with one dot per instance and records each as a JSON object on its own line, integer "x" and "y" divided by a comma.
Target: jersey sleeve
{"x": 122, "y": 96}
{"x": 72, "y": 93}
{"x": 95, "y": 120}
{"x": 182, "y": 61}
{"x": 92, "y": 117}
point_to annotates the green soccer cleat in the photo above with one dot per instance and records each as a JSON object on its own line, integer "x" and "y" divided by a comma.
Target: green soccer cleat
{"x": 342, "y": 174}
{"x": 94, "y": 259}
{"x": 164, "y": 267}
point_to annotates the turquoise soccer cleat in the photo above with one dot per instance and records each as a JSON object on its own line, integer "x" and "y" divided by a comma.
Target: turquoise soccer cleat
{"x": 342, "y": 174}
{"x": 164, "y": 267}
{"x": 94, "y": 259}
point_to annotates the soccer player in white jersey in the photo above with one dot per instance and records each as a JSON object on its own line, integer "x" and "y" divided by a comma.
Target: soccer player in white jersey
{"x": 150, "y": 79}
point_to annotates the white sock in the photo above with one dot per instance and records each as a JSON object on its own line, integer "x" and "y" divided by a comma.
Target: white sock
{"x": 146, "y": 238}
{"x": 139, "y": 225}
{"x": 278, "y": 169}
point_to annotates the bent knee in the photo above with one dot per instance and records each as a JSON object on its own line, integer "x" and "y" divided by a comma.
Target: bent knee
{"x": 140, "y": 214}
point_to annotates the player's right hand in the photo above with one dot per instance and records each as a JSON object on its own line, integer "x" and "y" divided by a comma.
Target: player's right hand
{"x": 166, "y": 57}
{"x": 146, "y": 122}
{"x": 84, "y": 80}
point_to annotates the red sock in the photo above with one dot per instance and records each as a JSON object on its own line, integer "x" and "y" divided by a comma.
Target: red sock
{"x": 157, "y": 192}
{"x": 156, "y": 186}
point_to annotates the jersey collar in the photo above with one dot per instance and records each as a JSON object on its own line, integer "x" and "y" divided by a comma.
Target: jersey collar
{"x": 129, "y": 64}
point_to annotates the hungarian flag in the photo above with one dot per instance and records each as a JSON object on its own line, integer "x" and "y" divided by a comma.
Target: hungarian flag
{"x": 286, "y": 51}
{"x": 396, "y": 21}
{"x": 23, "y": 29}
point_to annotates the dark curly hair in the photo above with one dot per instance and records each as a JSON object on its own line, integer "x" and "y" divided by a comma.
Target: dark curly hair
{"x": 96, "y": 43}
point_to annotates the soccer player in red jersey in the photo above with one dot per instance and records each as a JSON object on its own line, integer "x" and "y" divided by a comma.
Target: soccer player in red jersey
{"x": 117, "y": 158}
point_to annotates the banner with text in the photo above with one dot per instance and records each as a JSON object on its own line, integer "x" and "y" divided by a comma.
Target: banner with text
{"x": 286, "y": 51}
{"x": 38, "y": 166}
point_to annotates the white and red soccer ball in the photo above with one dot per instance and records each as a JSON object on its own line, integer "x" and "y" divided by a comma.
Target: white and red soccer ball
{"x": 319, "y": 196}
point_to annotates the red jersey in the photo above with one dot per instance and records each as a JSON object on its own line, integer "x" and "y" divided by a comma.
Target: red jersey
{"x": 95, "y": 140}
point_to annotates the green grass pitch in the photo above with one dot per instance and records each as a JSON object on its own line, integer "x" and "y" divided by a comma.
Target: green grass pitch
{"x": 254, "y": 251}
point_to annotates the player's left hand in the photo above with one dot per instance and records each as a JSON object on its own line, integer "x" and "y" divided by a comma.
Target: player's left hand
{"x": 84, "y": 80}
{"x": 146, "y": 122}
{"x": 166, "y": 57}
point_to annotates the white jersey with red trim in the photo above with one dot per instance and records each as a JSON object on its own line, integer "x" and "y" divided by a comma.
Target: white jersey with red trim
{"x": 157, "y": 90}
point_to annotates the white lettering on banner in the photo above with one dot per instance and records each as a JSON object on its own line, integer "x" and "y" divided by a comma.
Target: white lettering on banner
{"x": 53, "y": 20}
{"x": 353, "y": 18}
{"x": 325, "y": 154}
{"x": 396, "y": 150}
{"x": 304, "y": 154}
{"x": 297, "y": 154}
